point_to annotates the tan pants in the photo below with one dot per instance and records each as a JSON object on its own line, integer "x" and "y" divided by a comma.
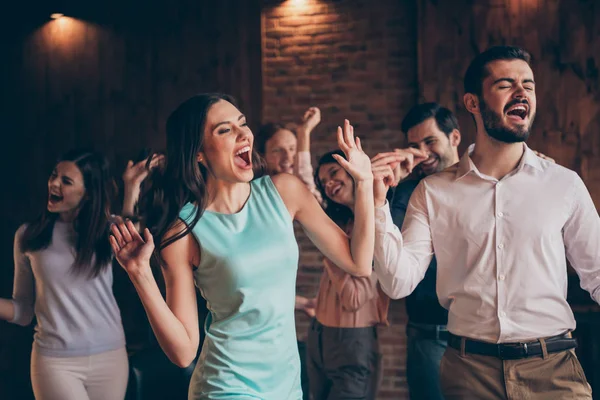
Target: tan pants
{"x": 472, "y": 376}
{"x": 97, "y": 377}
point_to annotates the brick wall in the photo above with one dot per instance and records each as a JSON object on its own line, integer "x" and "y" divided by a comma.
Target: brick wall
{"x": 354, "y": 59}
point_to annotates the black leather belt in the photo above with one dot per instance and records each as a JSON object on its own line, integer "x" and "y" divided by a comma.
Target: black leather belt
{"x": 431, "y": 333}
{"x": 514, "y": 351}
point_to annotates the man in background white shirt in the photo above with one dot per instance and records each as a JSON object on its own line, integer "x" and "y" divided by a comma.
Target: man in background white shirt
{"x": 502, "y": 222}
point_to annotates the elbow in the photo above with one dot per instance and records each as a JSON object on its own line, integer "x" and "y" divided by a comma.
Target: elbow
{"x": 396, "y": 296}
{"x": 26, "y": 321}
{"x": 22, "y": 314}
{"x": 363, "y": 271}
{"x": 184, "y": 356}
{"x": 183, "y": 360}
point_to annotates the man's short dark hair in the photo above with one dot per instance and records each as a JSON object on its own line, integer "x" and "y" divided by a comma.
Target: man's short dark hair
{"x": 444, "y": 118}
{"x": 264, "y": 134}
{"x": 478, "y": 71}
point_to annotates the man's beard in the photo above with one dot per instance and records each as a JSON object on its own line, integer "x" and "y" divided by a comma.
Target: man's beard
{"x": 492, "y": 122}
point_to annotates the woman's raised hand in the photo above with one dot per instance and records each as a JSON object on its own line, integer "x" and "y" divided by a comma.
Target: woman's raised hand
{"x": 357, "y": 163}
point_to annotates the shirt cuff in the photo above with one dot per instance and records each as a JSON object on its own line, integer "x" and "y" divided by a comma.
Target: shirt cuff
{"x": 383, "y": 219}
{"x": 304, "y": 162}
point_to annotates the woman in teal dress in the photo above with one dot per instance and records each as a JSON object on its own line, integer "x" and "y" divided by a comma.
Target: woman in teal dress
{"x": 230, "y": 233}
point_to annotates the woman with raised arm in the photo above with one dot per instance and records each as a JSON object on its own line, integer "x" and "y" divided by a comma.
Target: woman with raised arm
{"x": 343, "y": 360}
{"x": 232, "y": 236}
{"x": 63, "y": 277}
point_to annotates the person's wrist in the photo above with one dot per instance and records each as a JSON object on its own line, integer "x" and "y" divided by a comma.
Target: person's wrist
{"x": 364, "y": 181}
{"x": 303, "y": 130}
{"x": 131, "y": 189}
{"x": 140, "y": 274}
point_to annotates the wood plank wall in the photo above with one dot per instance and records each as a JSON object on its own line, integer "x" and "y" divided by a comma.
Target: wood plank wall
{"x": 108, "y": 77}
{"x": 111, "y": 80}
{"x": 563, "y": 38}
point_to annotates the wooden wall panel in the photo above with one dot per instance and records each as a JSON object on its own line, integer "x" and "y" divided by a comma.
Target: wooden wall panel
{"x": 108, "y": 77}
{"x": 562, "y": 36}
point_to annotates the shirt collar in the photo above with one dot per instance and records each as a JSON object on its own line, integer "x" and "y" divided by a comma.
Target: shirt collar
{"x": 466, "y": 165}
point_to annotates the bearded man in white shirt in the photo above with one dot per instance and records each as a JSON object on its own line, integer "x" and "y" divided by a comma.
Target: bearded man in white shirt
{"x": 502, "y": 222}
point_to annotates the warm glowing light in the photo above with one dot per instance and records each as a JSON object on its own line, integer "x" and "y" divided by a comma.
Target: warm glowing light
{"x": 57, "y": 15}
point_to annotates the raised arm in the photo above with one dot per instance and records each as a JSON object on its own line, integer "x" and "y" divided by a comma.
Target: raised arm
{"x": 581, "y": 235}
{"x": 20, "y": 309}
{"x": 356, "y": 256}
{"x": 302, "y": 164}
{"x": 133, "y": 176}
{"x": 401, "y": 260}
{"x": 174, "y": 322}
{"x": 310, "y": 119}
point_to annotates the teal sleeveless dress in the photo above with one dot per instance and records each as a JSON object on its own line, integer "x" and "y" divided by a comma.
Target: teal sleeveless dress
{"x": 247, "y": 274}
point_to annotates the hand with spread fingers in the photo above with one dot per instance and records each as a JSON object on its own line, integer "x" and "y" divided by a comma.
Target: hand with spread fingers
{"x": 402, "y": 162}
{"x": 135, "y": 173}
{"x": 357, "y": 163}
{"x": 131, "y": 250}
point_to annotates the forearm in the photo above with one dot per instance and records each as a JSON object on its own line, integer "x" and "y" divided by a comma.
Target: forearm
{"x": 363, "y": 233}
{"x": 303, "y": 135}
{"x": 398, "y": 273}
{"x": 303, "y": 170}
{"x": 7, "y": 310}
{"x": 130, "y": 199}
{"x": 177, "y": 343}
{"x": 387, "y": 266}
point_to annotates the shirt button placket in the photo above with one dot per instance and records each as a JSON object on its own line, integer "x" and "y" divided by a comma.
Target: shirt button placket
{"x": 500, "y": 287}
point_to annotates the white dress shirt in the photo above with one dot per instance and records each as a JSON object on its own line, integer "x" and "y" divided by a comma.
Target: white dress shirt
{"x": 501, "y": 247}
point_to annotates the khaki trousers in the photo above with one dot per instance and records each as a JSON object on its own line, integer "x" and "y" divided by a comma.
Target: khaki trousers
{"x": 472, "y": 376}
{"x": 97, "y": 377}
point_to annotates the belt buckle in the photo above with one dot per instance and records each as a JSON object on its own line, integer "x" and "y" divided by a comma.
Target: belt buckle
{"x": 505, "y": 353}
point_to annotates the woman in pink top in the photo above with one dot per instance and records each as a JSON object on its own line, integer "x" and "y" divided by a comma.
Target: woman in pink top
{"x": 344, "y": 360}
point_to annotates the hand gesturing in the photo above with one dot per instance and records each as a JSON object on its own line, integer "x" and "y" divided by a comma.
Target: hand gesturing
{"x": 135, "y": 173}
{"x": 357, "y": 163}
{"x": 402, "y": 162}
{"x": 131, "y": 251}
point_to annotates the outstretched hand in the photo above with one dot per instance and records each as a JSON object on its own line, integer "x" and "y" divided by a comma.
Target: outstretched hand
{"x": 131, "y": 250}
{"x": 357, "y": 163}
{"x": 135, "y": 173}
{"x": 402, "y": 162}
